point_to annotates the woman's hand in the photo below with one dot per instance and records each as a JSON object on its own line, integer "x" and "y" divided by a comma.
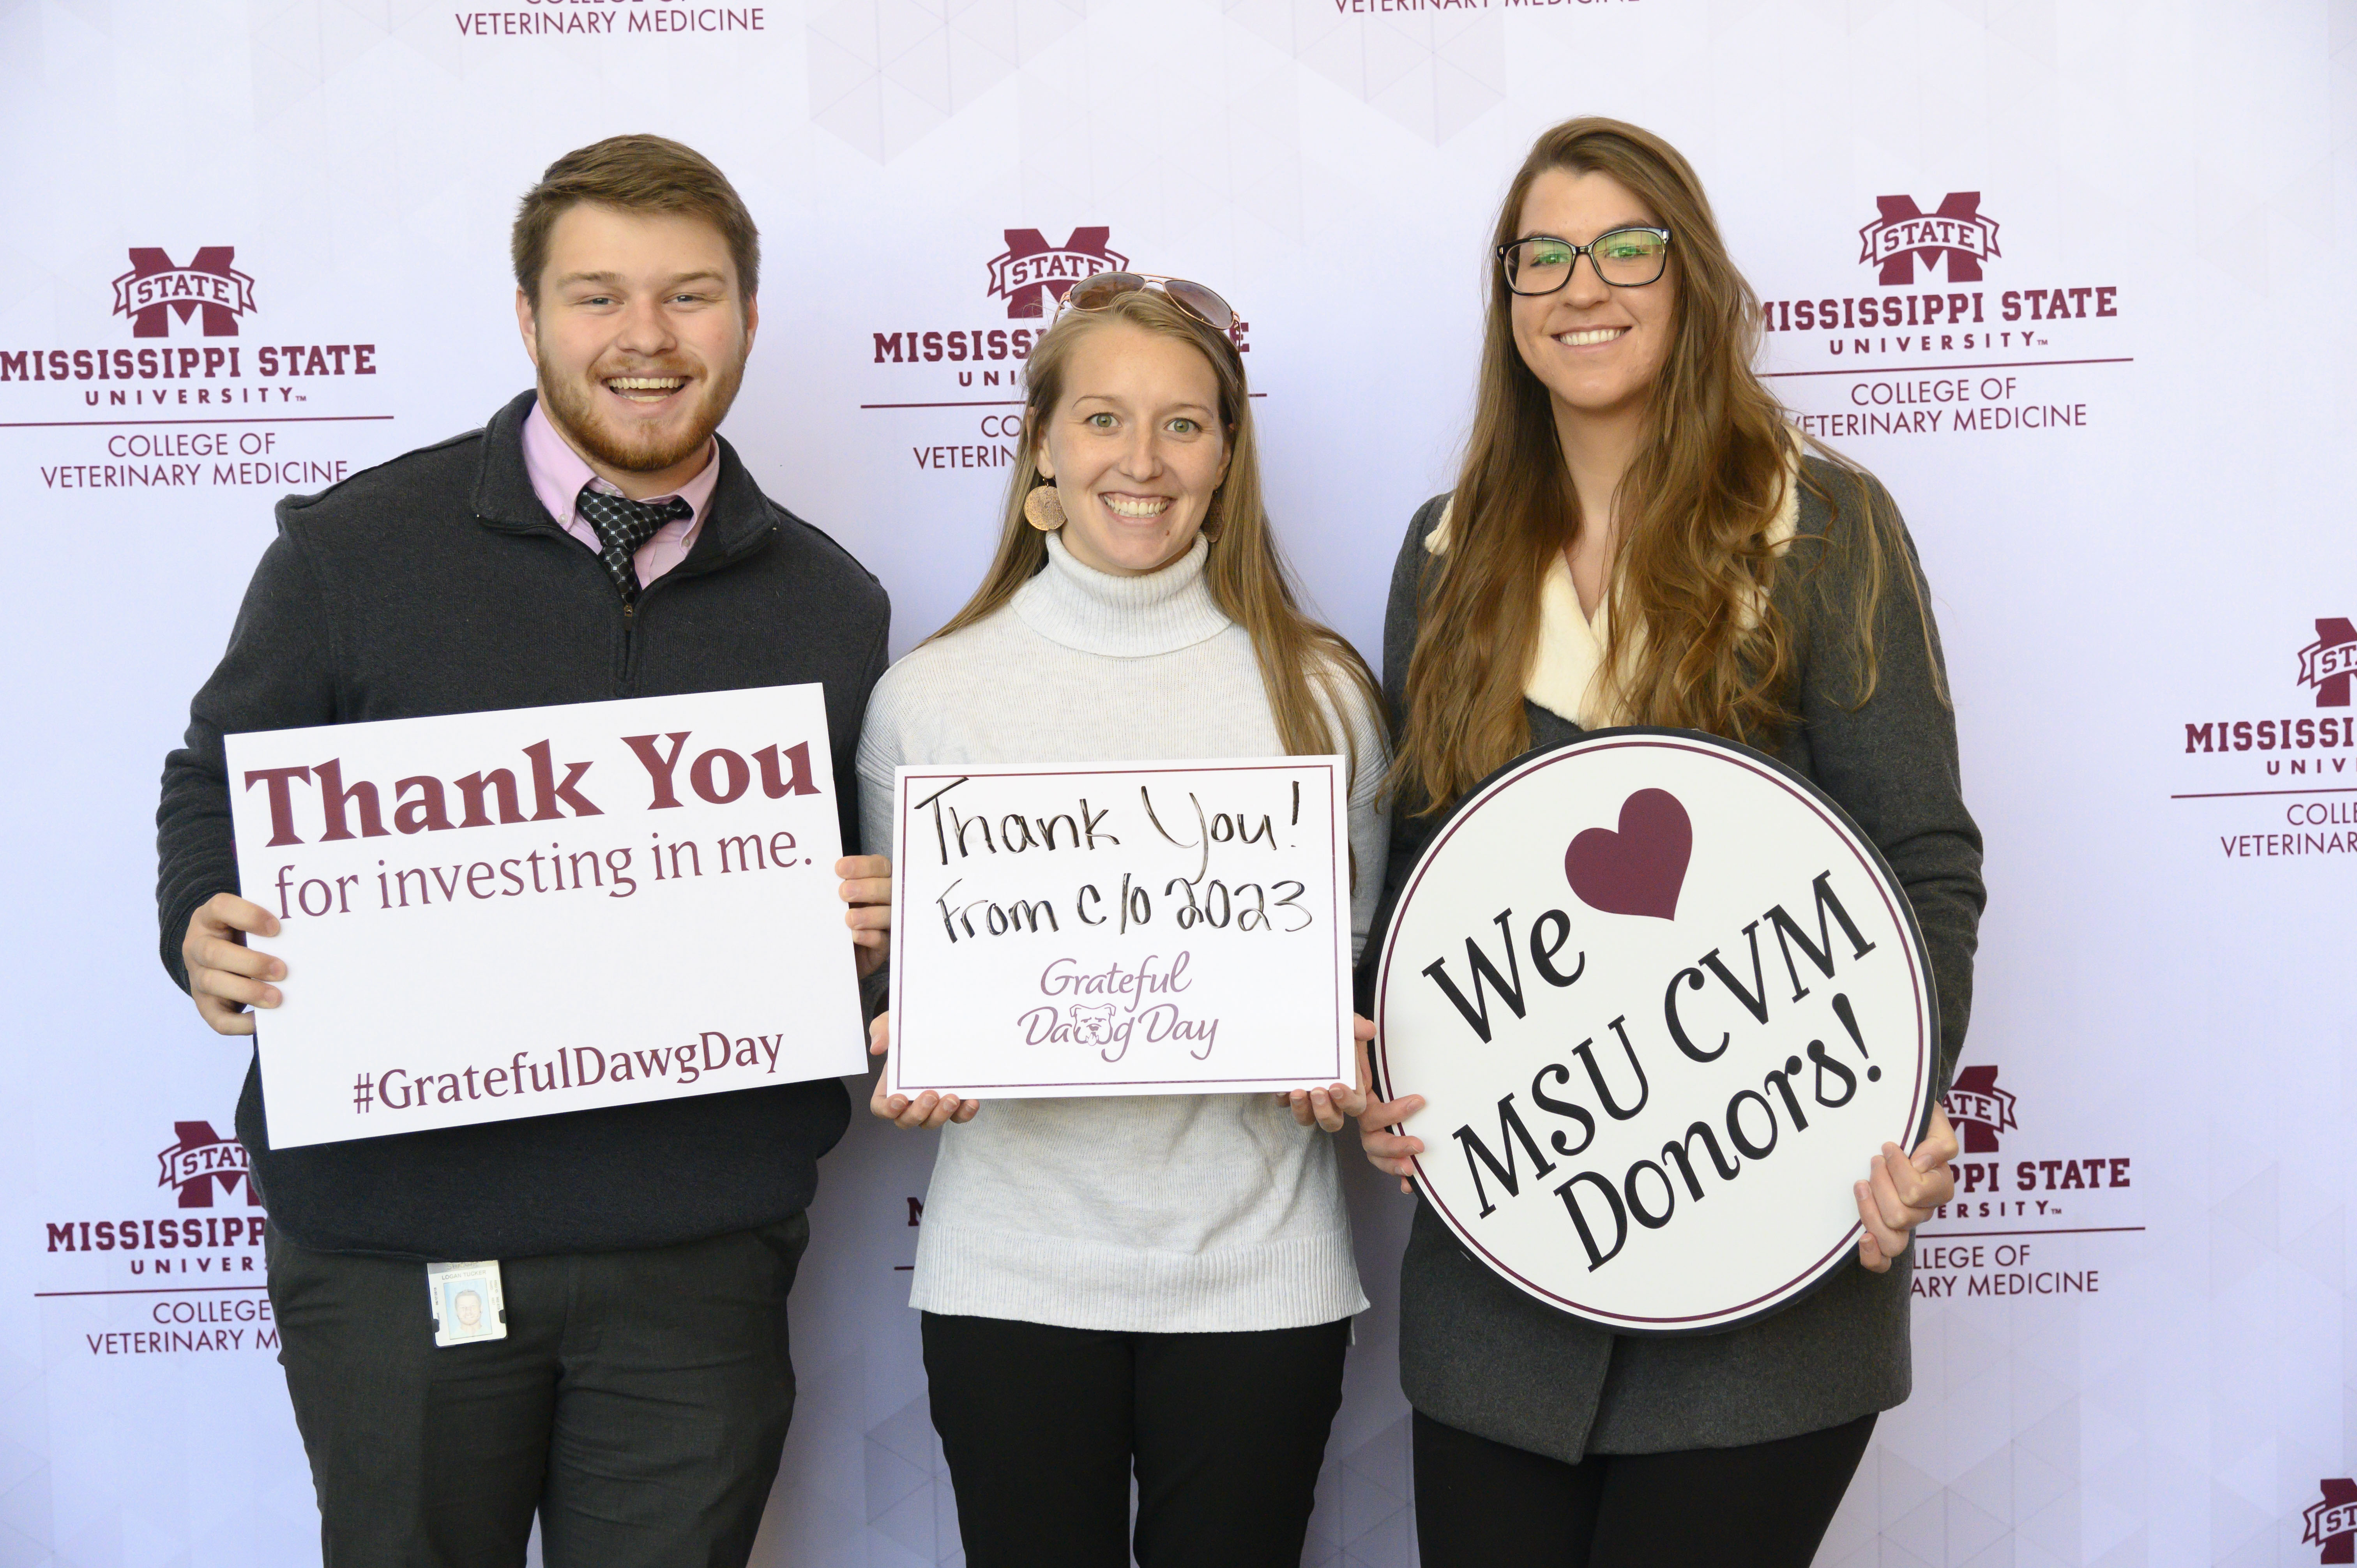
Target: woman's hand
{"x": 928, "y": 1110}
{"x": 1332, "y": 1106}
{"x": 866, "y": 886}
{"x": 1901, "y": 1190}
{"x": 1391, "y": 1153}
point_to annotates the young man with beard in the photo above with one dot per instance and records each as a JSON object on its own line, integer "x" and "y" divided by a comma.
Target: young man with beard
{"x": 596, "y": 540}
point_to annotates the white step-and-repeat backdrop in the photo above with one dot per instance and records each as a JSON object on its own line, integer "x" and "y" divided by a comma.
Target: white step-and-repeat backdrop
{"x": 2115, "y": 405}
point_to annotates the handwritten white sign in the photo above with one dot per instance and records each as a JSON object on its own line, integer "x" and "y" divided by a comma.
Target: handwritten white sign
{"x": 507, "y": 914}
{"x": 1177, "y": 928}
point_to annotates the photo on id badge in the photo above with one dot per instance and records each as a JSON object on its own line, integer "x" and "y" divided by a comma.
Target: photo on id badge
{"x": 466, "y": 1302}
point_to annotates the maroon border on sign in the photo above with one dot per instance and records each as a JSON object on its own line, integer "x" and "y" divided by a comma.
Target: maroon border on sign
{"x": 1337, "y": 815}
{"x": 1727, "y": 1317}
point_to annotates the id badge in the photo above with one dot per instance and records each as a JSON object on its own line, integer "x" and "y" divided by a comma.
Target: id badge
{"x": 465, "y": 1302}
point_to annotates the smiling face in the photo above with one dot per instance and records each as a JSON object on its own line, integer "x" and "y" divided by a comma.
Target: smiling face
{"x": 1597, "y": 350}
{"x": 639, "y": 340}
{"x": 1136, "y": 447}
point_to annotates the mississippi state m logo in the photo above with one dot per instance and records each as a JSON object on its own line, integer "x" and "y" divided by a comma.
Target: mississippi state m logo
{"x": 1030, "y": 269}
{"x": 202, "y": 1160}
{"x": 2329, "y": 662}
{"x": 1905, "y": 234}
{"x": 2332, "y": 1524}
{"x": 1979, "y": 1108}
{"x": 154, "y": 290}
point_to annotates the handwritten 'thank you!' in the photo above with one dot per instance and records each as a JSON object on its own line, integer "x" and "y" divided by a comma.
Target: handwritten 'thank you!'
{"x": 1171, "y": 928}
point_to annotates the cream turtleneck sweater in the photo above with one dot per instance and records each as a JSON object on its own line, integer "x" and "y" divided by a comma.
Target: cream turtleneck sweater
{"x": 1153, "y": 1213}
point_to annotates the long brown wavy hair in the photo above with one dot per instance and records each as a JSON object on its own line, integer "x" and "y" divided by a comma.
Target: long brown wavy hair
{"x": 1694, "y": 639}
{"x": 1300, "y": 660}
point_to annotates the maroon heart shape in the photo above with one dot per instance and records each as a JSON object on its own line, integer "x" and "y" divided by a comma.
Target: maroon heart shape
{"x": 1641, "y": 869}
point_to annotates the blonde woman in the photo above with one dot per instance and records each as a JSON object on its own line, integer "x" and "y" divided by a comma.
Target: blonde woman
{"x": 1155, "y": 1284}
{"x": 1638, "y": 537}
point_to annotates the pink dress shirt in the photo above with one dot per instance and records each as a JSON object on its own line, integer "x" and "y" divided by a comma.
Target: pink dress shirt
{"x": 558, "y": 472}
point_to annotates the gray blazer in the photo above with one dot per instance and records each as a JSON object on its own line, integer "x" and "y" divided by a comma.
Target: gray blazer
{"x": 1479, "y": 1354}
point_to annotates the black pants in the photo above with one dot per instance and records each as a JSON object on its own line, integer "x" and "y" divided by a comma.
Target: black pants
{"x": 638, "y": 1404}
{"x": 1041, "y": 1426}
{"x": 1480, "y": 1504}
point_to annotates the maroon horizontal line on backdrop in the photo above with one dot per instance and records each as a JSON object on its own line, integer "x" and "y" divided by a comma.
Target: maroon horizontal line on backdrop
{"x": 986, "y": 403}
{"x": 290, "y": 419}
{"x": 2243, "y": 794}
{"x": 1934, "y": 370}
{"x": 2083, "y": 1230}
{"x": 159, "y": 1290}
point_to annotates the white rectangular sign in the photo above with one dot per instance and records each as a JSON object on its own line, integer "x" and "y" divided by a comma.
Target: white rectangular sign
{"x": 1176, "y": 927}
{"x": 494, "y": 915}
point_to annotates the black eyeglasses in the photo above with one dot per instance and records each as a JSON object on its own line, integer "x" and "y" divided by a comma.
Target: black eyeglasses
{"x": 1101, "y": 289}
{"x": 1626, "y": 258}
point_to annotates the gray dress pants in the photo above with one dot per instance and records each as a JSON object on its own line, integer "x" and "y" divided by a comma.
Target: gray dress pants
{"x": 638, "y": 1404}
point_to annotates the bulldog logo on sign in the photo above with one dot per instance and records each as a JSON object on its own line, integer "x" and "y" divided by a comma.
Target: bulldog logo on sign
{"x": 1664, "y": 1001}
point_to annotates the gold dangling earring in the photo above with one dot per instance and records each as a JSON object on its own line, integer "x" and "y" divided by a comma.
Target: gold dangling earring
{"x": 1043, "y": 508}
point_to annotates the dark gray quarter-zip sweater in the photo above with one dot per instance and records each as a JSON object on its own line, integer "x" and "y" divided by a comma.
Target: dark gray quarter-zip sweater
{"x": 438, "y": 583}
{"x": 1479, "y": 1354}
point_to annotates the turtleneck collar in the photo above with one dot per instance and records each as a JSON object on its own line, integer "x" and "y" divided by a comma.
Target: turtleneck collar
{"x": 1121, "y": 618}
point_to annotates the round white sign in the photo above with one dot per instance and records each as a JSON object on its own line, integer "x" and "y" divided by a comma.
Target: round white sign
{"x": 1664, "y": 1001}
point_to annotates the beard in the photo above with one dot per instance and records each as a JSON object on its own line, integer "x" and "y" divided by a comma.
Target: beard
{"x": 577, "y": 407}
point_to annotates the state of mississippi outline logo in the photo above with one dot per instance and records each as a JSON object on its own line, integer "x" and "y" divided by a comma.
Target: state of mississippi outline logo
{"x": 156, "y": 290}
{"x": 1030, "y": 271}
{"x": 200, "y": 1161}
{"x": 1980, "y": 1110}
{"x": 2331, "y": 1523}
{"x": 1954, "y": 234}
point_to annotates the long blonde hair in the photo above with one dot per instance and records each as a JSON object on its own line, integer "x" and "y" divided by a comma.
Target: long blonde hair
{"x": 1247, "y": 578}
{"x": 1692, "y": 566}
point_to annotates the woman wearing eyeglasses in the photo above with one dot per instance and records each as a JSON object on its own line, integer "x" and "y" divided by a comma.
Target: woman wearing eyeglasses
{"x": 1162, "y": 1283}
{"x": 1638, "y": 537}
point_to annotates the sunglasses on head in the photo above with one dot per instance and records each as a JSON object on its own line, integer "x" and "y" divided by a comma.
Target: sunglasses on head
{"x": 1098, "y": 290}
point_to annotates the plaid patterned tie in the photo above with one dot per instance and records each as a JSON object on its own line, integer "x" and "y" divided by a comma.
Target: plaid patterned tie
{"x": 622, "y": 526}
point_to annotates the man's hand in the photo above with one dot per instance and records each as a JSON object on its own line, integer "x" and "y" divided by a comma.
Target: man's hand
{"x": 225, "y": 977}
{"x": 868, "y": 888}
